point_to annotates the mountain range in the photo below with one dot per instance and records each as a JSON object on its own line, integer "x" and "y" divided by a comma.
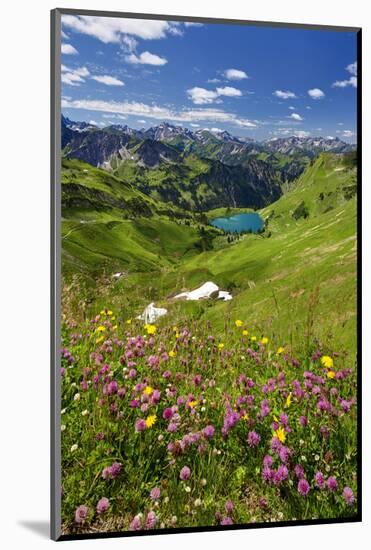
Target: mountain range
{"x": 198, "y": 170}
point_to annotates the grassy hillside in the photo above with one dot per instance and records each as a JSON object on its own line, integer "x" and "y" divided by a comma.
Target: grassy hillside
{"x": 300, "y": 275}
{"x": 307, "y": 257}
{"x": 108, "y": 225}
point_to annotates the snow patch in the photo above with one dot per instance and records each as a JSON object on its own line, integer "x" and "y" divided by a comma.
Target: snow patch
{"x": 151, "y": 313}
{"x": 207, "y": 290}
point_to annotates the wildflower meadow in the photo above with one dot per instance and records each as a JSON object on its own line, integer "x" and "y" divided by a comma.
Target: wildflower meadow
{"x": 176, "y": 426}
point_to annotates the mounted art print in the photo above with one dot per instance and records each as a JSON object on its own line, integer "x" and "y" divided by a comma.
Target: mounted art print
{"x": 205, "y": 214}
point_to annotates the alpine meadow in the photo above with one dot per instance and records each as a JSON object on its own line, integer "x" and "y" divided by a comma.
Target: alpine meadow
{"x": 209, "y": 275}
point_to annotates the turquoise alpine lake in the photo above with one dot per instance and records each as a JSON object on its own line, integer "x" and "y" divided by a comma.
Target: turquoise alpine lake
{"x": 240, "y": 223}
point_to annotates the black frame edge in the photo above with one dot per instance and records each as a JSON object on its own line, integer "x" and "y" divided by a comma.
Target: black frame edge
{"x": 55, "y": 273}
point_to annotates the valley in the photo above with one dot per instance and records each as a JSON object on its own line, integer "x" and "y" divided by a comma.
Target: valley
{"x": 145, "y": 221}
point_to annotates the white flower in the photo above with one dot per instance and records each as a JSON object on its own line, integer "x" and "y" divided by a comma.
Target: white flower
{"x": 203, "y": 482}
{"x": 63, "y": 427}
{"x": 76, "y": 397}
{"x": 73, "y": 385}
{"x": 166, "y": 499}
{"x": 198, "y": 502}
{"x": 85, "y": 412}
{"x": 174, "y": 519}
{"x": 74, "y": 447}
{"x": 187, "y": 489}
{"x": 63, "y": 411}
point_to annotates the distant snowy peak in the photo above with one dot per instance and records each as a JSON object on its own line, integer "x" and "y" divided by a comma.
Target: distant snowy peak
{"x": 292, "y": 144}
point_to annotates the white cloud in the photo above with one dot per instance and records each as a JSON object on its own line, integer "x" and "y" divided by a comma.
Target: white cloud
{"x": 93, "y": 122}
{"x": 235, "y": 74}
{"x": 292, "y": 108}
{"x": 316, "y": 93}
{"x": 301, "y": 133}
{"x": 145, "y": 58}
{"x": 141, "y": 121}
{"x": 201, "y": 96}
{"x": 111, "y": 29}
{"x": 68, "y": 49}
{"x": 330, "y": 137}
{"x": 307, "y": 107}
{"x": 213, "y": 80}
{"x": 159, "y": 113}
{"x": 229, "y": 91}
{"x": 284, "y": 95}
{"x": 352, "y": 68}
{"x": 129, "y": 43}
{"x": 108, "y": 80}
{"x": 352, "y": 81}
{"x": 74, "y": 77}
{"x": 194, "y": 125}
{"x": 348, "y": 133}
{"x": 80, "y": 71}
{"x": 216, "y": 130}
{"x": 291, "y": 132}
{"x": 192, "y": 24}
{"x": 296, "y": 116}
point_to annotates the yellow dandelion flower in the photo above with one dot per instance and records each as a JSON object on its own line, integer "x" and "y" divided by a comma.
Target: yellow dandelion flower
{"x": 280, "y": 350}
{"x": 288, "y": 400}
{"x": 113, "y": 318}
{"x": 102, "y": 312}
{"x": 245, "y": 332}
{"x": 109, "y": 312}
{"x": 114, "y": 327}
{"x": 100, "y": 339}
{"x": 327, "y": 361}
{"x": 238, "y": 323}
{"x": 151, "y": 329}
{"x": 280, "y": 434}
{"x": 331, "y": 374}
{"x": 264, "y": 341}
{"x": 128, "y": 321}
{"x": 101, "y": 328}
{"x": 175, "y": 329}
{"x": 172, "y": 353}
{"x": 177, "y": 335}
{"x": 148, "y": 390}
{"x": 151, "y": 420}
{"x": 253, "y": 338}
{"x": 245, "y": 417}
{"x": 220, "y": 346}
{"x": 192, "y": 404}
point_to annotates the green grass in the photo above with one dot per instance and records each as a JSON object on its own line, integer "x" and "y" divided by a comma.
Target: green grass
{"x": 294, "y": 292}
{"x": 300, "y": 275}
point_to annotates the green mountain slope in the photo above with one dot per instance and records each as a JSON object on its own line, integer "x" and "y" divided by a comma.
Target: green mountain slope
{"x": 202, "y": 184}
{"x": 108, "y": 225}
{"x": 305, "y": 268}
{"x": 299, "y": 277}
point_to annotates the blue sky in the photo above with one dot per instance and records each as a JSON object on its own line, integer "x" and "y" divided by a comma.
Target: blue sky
{"x": 259, "y": 82}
